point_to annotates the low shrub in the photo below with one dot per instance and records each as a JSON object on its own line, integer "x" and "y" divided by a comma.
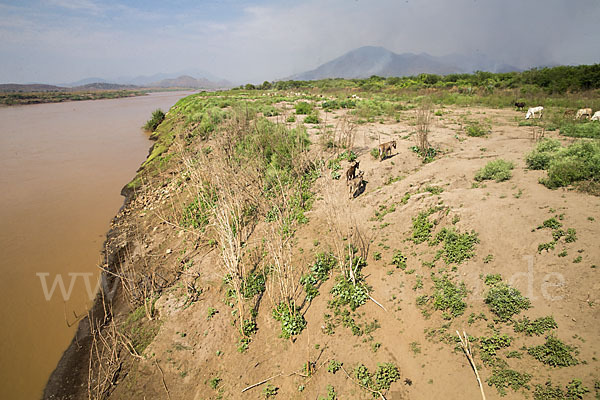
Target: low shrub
{"x": 505, "y": 301}
{"x": 581, "y": 130}
{"x": 554, "y": 353}
{"x": 499, "y": 170}
{"x": 158, "y": 116}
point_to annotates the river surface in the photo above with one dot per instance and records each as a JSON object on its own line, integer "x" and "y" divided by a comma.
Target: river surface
{"x": 62, "y": 167}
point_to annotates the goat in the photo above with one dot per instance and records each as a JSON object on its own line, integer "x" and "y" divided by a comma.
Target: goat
{"x": 533, "y": 111}
{"x": 385, "y": 149}
{"x": 583, "y": 112}
{"x": 356, "y": 183}
{"x": 519, "y": 105}
{"x": 596, "y": 116}
{"x": 351, "y": 172}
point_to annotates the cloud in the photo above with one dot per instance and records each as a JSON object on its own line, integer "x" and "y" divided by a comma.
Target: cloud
{"x": 267, "y": 39}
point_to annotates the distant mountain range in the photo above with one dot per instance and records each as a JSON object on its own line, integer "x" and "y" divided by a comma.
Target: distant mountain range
{"x": 370, "y": 60}
{"x": 154, "y": 81}
{"x": 185, "y": 79}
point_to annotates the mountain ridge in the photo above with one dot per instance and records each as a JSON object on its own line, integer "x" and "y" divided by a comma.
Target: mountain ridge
{"x": 366, "y": 61}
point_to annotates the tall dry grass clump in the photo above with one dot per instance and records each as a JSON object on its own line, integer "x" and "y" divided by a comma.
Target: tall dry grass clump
{"x": 423, "y": 122}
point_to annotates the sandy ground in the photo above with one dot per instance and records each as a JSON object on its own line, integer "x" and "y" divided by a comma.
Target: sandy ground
{"x": 191, "y": 349}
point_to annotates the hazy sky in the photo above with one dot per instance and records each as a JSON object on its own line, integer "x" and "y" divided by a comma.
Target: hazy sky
{"x": 55, "y": 41}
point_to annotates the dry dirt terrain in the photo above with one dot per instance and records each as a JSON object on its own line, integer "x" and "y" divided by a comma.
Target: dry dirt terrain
{"x": 194, "y": 353}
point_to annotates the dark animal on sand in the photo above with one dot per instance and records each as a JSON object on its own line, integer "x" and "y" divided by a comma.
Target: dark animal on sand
{"x": 351, "y": 172}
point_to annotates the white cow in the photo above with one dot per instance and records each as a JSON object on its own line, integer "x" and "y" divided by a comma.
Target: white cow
{"x": 533, "y": 111}
{"x": 583, "y": 112}
{"x": 596, "y": 116}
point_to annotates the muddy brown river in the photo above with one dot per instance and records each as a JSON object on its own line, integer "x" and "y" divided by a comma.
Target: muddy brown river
{"x": 62, "y": 167}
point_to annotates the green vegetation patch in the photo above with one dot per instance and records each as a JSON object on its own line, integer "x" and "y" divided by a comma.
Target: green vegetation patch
{"x": 574, "y": 390}
{"x": 508, "y": 378}
{"x": 158, "y": 116}
{"x": 569, "y": 165}
{"x": 380, "y": 380}
{"x": 536, "y": 327}
{"x": 498, "y": 170}
{"x": 292, "y": 321}
{"x": 422, "y": 226}
{"x": 449, "y": 297}
{"x": 457, "y": 247}
{"x": 505, "y": 301}
{"x": 590, "y": 129}
{"x": 319, "y": 273}
{"x": 554, "y": 353}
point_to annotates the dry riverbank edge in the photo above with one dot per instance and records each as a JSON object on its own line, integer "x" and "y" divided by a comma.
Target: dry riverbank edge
{"x": 69, "y": 380}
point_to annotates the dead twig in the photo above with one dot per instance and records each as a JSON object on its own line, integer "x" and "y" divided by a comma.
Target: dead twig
{"x": 466, "y": 346}
{"x": 163, "y": 379}
{"x": 261, "y": 382}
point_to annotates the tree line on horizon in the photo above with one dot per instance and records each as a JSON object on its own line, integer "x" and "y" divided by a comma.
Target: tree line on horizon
{"x": 552, "y": 80}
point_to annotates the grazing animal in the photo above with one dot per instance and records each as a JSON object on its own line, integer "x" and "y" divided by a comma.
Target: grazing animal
{"x": 385, "y": 149}
{"x": 583, "y": 112}
{"x": 351, "y": 172}
{"x": 596, "y": 116}
{"x": 531, "y": 113}
{"x": 356, "y": 183}
{"x": 519, "y": 105}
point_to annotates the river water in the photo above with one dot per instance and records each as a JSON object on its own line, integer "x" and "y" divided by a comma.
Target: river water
{"x": 62, "y": 167}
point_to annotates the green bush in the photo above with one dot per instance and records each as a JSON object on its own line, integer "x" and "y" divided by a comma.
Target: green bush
{"x": 303, "y": 108}
{"x": 536, "y": 327}
{"x": 311, "y": 119}
{"x": 399, "y": 260}
{"x": 499, "y": 170}
{"x": 292, "y": 321}
{"x": 581, "y": 130}
{"x": 539, "y": 158}
{"x": 554, "y": 353}
{"x": 158, "y": 116}
{"x": 504, "y": 378}
{"x": 448, "y": 297}
{"x": 457, "y": 247}
{"x": 568, "y": 165}
{"x": 505, "y": 301}
{"x": 474, "y": 129}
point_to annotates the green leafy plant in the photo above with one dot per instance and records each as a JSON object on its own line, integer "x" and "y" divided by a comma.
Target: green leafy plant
{"x": 498, "y": 170}
{"x": 505, "y": 301}
{"x": 505, "y": 378}
{"x": 399, "y": 260}
{"x": 292, "y": 321}
{"x": 270, "y": 391}
{"x": 448, "y": 297}
{"x": 422, "y": 227}
{"x": 303, "y": 107}
{"x": 214, "y": 382}
{"x": 334, "y": 366}
{"x": 536, "y": 327}
{"x": 456, "y": 247}
{"x": 554, "y": 353}
{"x": 158, "y": 116}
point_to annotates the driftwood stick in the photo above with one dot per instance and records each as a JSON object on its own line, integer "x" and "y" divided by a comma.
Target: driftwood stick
{"x": 163, "y": 380}
{"x": 466, "y": 346}
{"x": 261, "y": 382}
{"x": 376, "y": 302}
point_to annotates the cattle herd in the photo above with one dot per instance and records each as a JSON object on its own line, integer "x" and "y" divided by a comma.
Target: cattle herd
{"x": 536, "y": 112}
{"x": 355, "y": 177}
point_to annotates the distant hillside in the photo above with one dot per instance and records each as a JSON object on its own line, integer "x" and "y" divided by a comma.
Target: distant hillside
{"x": 186, "y": 81}
{"x": 370, "y": 60}
{"x": 36, "y": 87}
{"x": 104, "y": 86}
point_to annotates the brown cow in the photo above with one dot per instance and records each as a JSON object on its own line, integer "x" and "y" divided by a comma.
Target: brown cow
{"x": 385, "y": 149}
{"x": 351, "y": 172}
{"x": 356, "y": 183}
